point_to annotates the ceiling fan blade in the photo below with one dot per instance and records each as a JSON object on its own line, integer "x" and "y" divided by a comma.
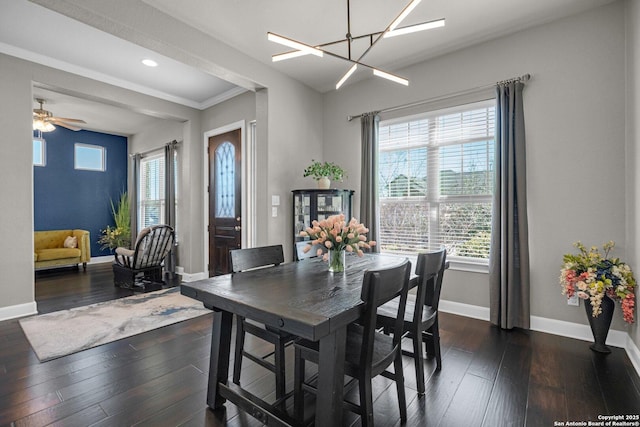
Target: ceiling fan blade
{"x": 65, "y": 125}
{"x": 64, "y": 119}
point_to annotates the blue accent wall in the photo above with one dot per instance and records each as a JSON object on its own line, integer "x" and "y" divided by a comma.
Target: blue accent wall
{"x": 66, "y": 198}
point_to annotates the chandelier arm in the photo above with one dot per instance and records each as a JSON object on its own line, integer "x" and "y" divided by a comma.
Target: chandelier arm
{"x": 353, "y": 61}
{"x": 408, "y": 7}
{"x": 349, "y": 39}
{"x": 369, "y": 35}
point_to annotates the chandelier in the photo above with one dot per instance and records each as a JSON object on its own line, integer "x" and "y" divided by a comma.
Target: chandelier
{"x": 393, "y": 29}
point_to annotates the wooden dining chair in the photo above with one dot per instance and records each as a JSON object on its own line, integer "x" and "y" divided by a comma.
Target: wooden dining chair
{"x": 368, "y": 352}
{"x": 246, "y": 259}
{"x": 421, "y": 315}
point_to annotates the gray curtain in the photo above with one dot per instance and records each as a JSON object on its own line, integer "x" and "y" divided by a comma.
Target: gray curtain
{"x": 133, "y": 195}
{"x": 170, "y": 202}
{"x": 369, "y": 209}
{"x": 509, "y": 254}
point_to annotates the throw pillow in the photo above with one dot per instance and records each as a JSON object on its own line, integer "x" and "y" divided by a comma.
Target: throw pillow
{"x": 71, "y": 242}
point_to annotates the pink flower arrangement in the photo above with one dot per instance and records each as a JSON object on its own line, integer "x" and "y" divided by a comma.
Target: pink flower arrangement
{"x": 591, "y": 275}
{"x": 335, "y": 234}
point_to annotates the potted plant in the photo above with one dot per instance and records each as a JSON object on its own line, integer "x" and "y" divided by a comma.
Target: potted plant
{"x": 600, "y": 281}
{"x": 120, "y": 235}
{"x": 324, "y": 173}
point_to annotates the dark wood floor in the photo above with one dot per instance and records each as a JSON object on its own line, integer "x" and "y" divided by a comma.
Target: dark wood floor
{"x": 489, "y": 377}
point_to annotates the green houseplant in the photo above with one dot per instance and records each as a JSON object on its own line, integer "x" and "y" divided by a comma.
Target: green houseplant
{"x": 324, "y": 172}
{"x": 120, "y": 235}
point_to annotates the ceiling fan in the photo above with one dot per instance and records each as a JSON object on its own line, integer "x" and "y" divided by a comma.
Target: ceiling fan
{"x": 44, "y": 120}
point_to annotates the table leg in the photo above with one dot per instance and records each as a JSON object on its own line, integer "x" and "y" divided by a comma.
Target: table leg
{"x": 331, "y": 379}
{"x": 219, "y": 361}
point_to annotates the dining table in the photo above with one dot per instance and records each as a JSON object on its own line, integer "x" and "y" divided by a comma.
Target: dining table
{"x": 302, "y": 298}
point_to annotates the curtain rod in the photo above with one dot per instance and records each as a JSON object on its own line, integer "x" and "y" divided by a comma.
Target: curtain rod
{"x": 174, "y": 142}
{"x": 523, "y": 78}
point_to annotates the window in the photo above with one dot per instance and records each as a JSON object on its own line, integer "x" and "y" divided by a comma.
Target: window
{"x": 436, "y": 181}
{"x": 151, "y": 194}
{"x": 39, "y": 152}
{"x": 90, "y": 157}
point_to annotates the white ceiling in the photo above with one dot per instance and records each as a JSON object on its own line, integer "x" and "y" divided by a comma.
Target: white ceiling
{"x": 35, "y": 33}
{"x": 244, "y": 25}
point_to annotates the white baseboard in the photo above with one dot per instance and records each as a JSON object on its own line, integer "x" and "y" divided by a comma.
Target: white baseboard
{"x": 192, "y": 277}
{"x": 615, "y": 338}
{"x": 101, "y": 259}
{"x": 466, "y": 310}
{"x": 634, "y": 353}
{"x": 19, "y": 310}
{"x": 575, "y": 330}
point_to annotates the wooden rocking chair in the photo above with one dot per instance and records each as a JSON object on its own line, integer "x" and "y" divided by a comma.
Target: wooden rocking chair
{"x": 141, "y": 268}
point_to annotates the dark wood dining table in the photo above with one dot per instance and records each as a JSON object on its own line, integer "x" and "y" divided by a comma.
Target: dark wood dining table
{"x": 302, "y": 298}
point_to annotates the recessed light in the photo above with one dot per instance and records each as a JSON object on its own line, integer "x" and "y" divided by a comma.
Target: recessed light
{"x": 149, "y": 62}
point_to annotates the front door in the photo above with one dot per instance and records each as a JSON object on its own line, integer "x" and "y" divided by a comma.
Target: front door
{"x": 225, "y": 225}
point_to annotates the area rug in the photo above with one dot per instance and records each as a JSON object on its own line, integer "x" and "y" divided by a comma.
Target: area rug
{"x": 58, "y": 334}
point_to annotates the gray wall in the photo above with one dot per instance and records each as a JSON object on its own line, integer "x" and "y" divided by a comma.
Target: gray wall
{"x": 574, "y": 113}
{"x": 633, "y": 145}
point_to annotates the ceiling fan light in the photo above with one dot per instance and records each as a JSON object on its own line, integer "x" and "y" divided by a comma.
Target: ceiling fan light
{"x": 43, "y": 126}
{"x": 346, "y": 76}
{"x": 415, "y": 28}
{"x": 391, "y": 77}
{"x": 405, "y": 12}
{"x": 294, "y": 44}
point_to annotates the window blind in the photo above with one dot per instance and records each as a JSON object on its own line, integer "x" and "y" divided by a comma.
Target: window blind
{"x": 436, "y": 181}
{"x": 152, "y": 191}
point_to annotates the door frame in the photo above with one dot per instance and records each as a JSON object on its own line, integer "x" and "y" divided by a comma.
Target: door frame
{"x": 247, "y": 198}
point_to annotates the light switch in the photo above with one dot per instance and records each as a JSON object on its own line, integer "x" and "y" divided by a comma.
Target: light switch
{"x": 274, "y": 211}
{"x": 275, "y": 200}
{"x": 573, "y": 300}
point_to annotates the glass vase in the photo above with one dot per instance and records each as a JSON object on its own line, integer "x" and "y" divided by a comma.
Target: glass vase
{"x": 336, "y": 261}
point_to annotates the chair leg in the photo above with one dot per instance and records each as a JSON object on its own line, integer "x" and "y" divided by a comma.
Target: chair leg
{"x": 279, "y": 371}
{"x": 237, "y": 360}
{"x": 298, "y": 394}
{"x": 366, "y": 401}
{"x": 418, "y": 360}
{"x": 435, "y": 333}
{"x": 399, "y": 378}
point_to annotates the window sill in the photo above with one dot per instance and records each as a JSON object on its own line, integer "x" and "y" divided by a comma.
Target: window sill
{"x": 455, "y": 263}
{"x": 469, "y": 266}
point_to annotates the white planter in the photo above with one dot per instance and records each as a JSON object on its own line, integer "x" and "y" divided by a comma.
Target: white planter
{"x": 324, "y": 183}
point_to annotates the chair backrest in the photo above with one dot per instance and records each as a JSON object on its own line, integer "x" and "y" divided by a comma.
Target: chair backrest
{"x": 430, "y": 270}
{"x": 264, "y": 256}
{"x": 379, "y": 287}
{"x": 312, "y": 252}
{"x": 152, "y": 246}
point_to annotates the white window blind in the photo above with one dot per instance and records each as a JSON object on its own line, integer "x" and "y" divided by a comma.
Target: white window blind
{"x": 436, "y": 181}
{"x": 151, "y": 191}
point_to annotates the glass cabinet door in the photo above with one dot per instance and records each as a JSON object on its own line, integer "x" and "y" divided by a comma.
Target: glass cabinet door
{"x": 309, "y": 205}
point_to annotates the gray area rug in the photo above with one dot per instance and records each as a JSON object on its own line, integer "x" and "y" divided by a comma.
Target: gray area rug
{"x": 65, "y": 332}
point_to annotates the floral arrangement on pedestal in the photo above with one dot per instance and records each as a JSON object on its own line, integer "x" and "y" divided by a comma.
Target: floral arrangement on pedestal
{"x": 338, "y": 236}
{"x": 592, "y": 275}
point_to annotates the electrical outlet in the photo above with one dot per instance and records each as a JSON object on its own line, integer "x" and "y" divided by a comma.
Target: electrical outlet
{"x": 573, "y": 300}
{"x": 274, "y": 211}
